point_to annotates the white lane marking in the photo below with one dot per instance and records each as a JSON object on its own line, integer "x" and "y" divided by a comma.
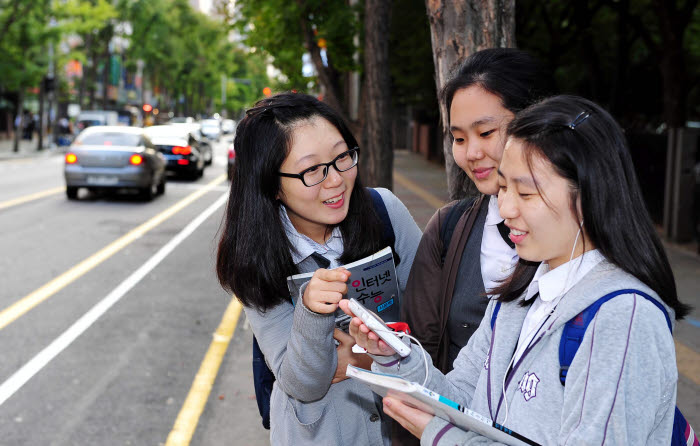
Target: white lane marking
{"x": 31, "y": 368}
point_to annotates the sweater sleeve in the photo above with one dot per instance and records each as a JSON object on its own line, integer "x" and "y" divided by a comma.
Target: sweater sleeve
{"x": 298, "y": 347}
{"x": 621, "y": 385}
{"x": 458, "y": 385}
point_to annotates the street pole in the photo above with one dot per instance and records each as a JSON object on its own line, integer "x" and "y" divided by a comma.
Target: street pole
{"x": 223, "y": 96}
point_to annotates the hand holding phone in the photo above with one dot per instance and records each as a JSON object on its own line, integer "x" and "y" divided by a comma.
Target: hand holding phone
{"x": 377, "y": 325}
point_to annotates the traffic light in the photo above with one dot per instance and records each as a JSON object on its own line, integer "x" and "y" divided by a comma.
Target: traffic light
{"x": 147, "y": 108}
{"x": 267, "y": 91}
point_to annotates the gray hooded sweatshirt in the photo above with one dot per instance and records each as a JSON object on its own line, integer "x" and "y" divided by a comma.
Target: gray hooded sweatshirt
{"x": 305, "y": 408}
{"x": 620, "y": 388}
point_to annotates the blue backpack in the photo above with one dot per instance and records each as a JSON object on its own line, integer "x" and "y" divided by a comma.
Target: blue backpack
{"x": 263, "y": 378}
{"x": 571, "y": 337}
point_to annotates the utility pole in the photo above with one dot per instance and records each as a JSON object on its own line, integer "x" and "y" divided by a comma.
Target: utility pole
{"x": 223, "y": 96}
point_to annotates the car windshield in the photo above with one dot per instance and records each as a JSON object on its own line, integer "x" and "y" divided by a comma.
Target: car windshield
{"x": 85, "y": 123}
{"x": 111, "y": 139}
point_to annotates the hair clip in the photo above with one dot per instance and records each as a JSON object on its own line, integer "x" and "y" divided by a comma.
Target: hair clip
{"x": 578, "y": 120}
{"x": 256, "y": 111}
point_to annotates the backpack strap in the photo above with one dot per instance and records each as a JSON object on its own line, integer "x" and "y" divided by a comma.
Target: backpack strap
{"x": 494, "y": 315}
{"x": 387, "y": 227}
{"x": 451, "y": 219}
{"x": 575, "y": 329}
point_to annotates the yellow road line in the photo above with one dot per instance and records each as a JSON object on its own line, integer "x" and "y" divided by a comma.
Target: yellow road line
{"x": 22, "y": 306}
{"x": 30, "y": 197}
{"x": 687, "y": 359}
{"x": 418, "y": 190}
{"x": 187, "y": 419}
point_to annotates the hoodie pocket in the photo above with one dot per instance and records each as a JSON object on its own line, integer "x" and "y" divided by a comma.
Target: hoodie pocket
{"x": 316, "y": 421}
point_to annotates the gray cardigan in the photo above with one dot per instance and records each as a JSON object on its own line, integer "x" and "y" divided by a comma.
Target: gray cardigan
{"x": 299, "y": 349}
{"x": 620, "y": 388}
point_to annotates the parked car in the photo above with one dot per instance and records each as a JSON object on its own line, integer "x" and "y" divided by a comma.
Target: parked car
{"x": 181, "y": 149}
{"x": 204, "y": 145}
{"x": 231, "y": 161}
{"x": 91, "y": 118}
{"x": 228, "y": 126}
{"x": 113, "y": 158}
{"x": 211, "y": 129}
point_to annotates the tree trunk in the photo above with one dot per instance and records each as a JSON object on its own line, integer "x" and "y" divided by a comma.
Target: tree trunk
{"x": 40, "y": 127}
{"x": 458, "y": 29}
{"x": 327, "y": 76}
{"x": 672, "y": 25}
{"x": 20, "y": 113}
{"x": 379, "y": 149}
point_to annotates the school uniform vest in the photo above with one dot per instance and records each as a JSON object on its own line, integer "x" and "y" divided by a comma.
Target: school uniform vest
{"x": 468, "y": 301}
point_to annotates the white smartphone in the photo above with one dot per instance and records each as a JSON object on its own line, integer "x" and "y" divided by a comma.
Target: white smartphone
{"x": 377, "y": 325}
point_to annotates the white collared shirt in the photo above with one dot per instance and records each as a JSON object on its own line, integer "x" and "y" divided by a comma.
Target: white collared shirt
{"x": 497, "y": 258}
{"x": 552, "y": 285}
{"x": 305, "y": 246}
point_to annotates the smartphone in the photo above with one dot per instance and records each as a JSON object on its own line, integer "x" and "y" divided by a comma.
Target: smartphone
{"x": 377, "y": 325}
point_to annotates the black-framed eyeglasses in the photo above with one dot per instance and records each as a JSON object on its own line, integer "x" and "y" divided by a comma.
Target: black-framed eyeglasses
{"x": 316, "y": 174}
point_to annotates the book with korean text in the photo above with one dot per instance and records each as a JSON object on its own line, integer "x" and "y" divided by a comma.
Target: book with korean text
{"x": 372, "y": 282}
{"x": 417, "y": 396}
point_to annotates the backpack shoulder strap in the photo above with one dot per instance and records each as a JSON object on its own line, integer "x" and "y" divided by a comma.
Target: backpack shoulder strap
{"x": 575, "y": 329}
{"x": 380, "y": 208}
{"x": 450, "y": 223}
{"x": 494, "y": 315}
{"x": 387, "y": 228}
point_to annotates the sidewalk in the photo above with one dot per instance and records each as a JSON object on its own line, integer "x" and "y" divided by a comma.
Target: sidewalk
{"x": 26, "y": 148}
{"x": 422, "y": 187}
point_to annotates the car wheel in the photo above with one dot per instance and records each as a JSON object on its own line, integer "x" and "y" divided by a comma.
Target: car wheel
{"x": 209, "y": 159}
{"x": 72, "y": 192}
{"x": 147, "y": 193}
{"x": 161, "y": 186}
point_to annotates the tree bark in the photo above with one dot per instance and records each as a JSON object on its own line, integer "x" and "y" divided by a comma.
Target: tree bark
{"x": 672, "y": 25}
{"x": 20, "y": 113}
{"x": 379, "y": 148}
{"x": 458, "y": 29}
{"x": 40, "y": 127}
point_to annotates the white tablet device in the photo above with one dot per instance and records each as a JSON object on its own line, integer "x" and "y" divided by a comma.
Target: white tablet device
{"x": 377, "y": 325}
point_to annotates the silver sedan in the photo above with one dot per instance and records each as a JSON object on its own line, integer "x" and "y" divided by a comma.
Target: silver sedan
{"x": 114, "y": 157}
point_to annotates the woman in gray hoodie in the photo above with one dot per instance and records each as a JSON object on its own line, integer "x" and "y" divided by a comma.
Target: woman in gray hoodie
{"x": 570, "y": 197}
{"x": 297, "y": 205}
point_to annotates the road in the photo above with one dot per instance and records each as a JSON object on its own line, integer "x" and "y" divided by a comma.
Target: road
{"x": 107, "y": 315}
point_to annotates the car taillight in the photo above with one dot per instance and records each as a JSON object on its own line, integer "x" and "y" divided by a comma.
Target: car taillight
{"x": 231, "y": 154}
{"x": 183, "y": 162}
{"x": 136, "y": 159}
{"x": 71, "y": 158}
{"x": 179, "y": 150}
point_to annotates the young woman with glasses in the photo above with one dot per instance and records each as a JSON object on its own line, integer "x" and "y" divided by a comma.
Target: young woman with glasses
{"x": 574, "y": 209}
{"x": 296, "y": 202}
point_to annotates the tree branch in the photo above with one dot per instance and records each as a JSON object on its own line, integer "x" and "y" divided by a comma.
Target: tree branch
{"x": 332, "y": 97}
{"x": 13, "y": 16}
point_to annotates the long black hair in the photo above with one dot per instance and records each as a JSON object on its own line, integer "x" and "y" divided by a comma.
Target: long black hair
{"x": 253, "y": 258}
{"x": 587, "y": 147}
{"x": 513, "y": 75}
